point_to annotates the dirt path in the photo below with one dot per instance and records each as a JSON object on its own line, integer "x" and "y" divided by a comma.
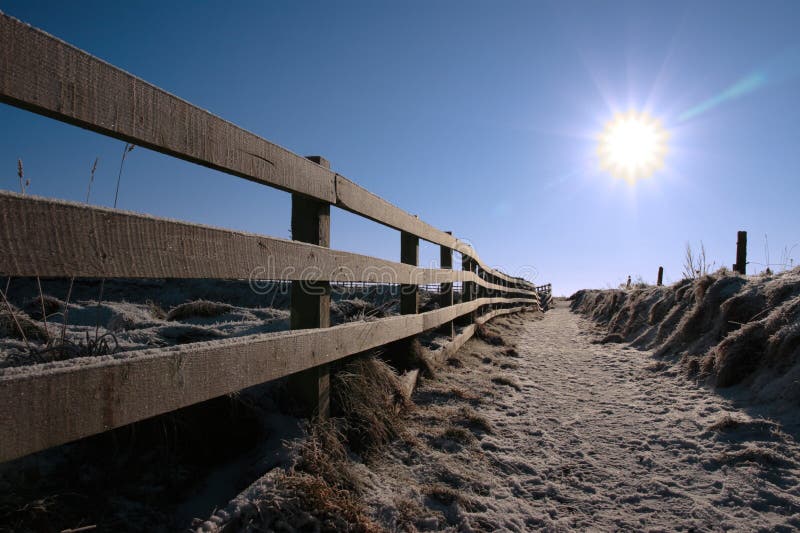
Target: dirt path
{"x": 580, "y": 436}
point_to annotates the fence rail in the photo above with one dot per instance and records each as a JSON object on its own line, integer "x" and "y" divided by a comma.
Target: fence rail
{"x": 46, "y": 405}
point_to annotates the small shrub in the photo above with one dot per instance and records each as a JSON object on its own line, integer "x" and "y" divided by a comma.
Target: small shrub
{"x": 508, "y": 381}
{"x": 156, "y": 311}
{"x": 19, "y": 325}
{"x": 725, "y": 423}
{"x": 487, "y": 335}
{"x": 463, "y": 395}
{"x": 454, "y": 362}
{"x": 458, "y": 434}
{"x": 33, "y": 307}
{"x": 471, "y": 419}
{"x": 368, "y": 394}
{"x": 198, "y": 308}
{"x": 511, "y": 352}
{"x": 447, "y": 495}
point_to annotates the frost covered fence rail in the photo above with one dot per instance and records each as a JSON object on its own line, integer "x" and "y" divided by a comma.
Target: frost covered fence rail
{"x": 48, "y": 404}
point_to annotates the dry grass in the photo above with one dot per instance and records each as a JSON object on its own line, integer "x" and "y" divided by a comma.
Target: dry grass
{"x": 726, "y": 328}
{"x": 751, "y": 454}
{"x": 447, "y": 496}
{"x": 725, "y": 423}
{"x": 322, "y": 454}
{"x": 315, "y": 505}
{"x": 156, "y": 311}
{"x": 471, "y": 419}
{"x": 488, "y": 335}
{"x": 18, "y": 325}
{"x": 198, "y": 308}
{"x": 319, "y": 492}
{"x": 454, "y": 362}
{"x": 368, "y": 395}
{"x": 458, "y": 434}
{"x": 507, "y": 381}
{"x": 462, "y": 394}
{"x": 408, "y": 511}
{"x": 419, "y": 359}
{"x": 511, "y": 352}
{"x": 42, "y": 306}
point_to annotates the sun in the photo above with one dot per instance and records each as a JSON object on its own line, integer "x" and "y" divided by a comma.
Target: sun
{"x": 632, "y": 146}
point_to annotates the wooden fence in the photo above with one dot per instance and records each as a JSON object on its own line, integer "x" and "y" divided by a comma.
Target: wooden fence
{"x": 49, "y": 404}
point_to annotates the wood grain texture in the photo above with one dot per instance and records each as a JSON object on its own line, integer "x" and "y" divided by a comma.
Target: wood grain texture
{"x": 54, "y": 238}
{"x": 43, "y": 74}
{"x": 47, "y": 405}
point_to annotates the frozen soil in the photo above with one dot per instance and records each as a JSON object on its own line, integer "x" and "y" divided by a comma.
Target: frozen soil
{"x": 569, "y": 434}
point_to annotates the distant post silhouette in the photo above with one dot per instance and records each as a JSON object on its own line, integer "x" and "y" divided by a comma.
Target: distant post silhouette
{"x": 741, "y": 253}
{"x": 660, "y": 281}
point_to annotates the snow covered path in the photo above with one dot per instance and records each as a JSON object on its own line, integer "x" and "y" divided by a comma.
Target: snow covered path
{"x": 581, "y": 436}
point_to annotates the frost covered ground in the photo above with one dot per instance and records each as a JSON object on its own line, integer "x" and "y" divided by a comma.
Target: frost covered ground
{"x": 116, "y": 316}
{"x": 560, "y": 432}
{"x": 557, "y": 428}
{"x": 593, "y": 436}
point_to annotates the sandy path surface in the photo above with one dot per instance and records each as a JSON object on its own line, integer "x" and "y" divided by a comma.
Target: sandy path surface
{"x": 595, "y": 436}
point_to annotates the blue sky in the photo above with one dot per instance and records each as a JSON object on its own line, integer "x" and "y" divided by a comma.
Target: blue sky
{"x": 480, "y": 117}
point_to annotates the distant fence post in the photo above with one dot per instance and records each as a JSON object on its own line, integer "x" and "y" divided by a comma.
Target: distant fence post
{"x": 741, "y": 253}
{"x": 311, "y": 300}
{"x": 660, "y": 281}
{"x": 446, "y": 289}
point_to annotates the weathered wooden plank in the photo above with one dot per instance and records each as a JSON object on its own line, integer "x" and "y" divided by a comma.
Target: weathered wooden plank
{"x": 453, "y": 346}
{"x": 50, "y": 404}
{"x": 54, "y": 238}
{"x": 43, "y": 74}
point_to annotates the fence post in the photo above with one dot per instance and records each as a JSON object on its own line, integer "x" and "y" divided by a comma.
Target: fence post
{"x": 479, "y": 290}
{"x": 409, "y": 255}
{"x": 311, "y": 300}
{"x": 446, "y": 289}
{"x": 467, "y": 289}
{"x": 660, "y": 281}
{"x": 400, "y": 351}
{"x": 741, "y": 253}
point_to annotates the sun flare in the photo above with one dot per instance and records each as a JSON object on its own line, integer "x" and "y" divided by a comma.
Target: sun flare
{"x": 632, "y": 146}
